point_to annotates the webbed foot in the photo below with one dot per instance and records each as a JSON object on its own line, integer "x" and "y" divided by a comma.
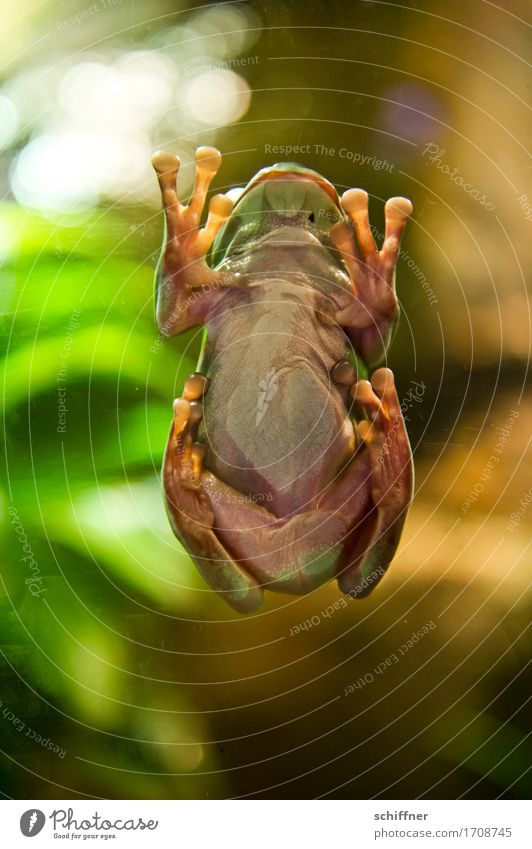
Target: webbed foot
{"x": 372, "y": 310}
{"x": 391, "y": 478}
{"x": 183, "y": 276}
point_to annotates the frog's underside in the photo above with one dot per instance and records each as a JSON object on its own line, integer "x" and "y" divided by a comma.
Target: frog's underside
{"x": 285, "y": 466}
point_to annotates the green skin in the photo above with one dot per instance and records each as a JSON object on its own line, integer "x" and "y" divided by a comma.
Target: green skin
{"x": 288, "y": 495}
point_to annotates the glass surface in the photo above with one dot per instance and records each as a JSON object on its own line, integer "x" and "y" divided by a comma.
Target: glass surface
{"x": 122, "y": 674}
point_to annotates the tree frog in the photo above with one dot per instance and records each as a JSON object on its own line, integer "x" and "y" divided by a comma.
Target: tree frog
{"x": 288, "y": 462}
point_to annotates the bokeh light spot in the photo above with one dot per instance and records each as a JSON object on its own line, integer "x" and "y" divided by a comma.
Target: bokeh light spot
{"x": 218, "y": 97}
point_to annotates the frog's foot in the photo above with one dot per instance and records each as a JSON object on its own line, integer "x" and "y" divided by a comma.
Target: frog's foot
{"x": 386, "y": 439}
{"x": 183, "y": 277}
{"x": 372, "y": 308}
{"x": 189, "y": 507}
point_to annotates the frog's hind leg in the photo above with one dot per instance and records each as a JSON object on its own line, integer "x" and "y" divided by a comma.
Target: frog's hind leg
{"x": 391, "y": 478}
{"x": 189, "y": 508}
{"x": 185, "y": 283}
{"x": 294, "y": 554}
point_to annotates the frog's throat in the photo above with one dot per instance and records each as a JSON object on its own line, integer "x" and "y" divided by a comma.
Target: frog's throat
{"x": 292, "y": 171}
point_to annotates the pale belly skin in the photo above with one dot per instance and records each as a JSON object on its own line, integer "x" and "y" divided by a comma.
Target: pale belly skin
{"x": 284, "y": 468}
{"x": 274, "y": 422}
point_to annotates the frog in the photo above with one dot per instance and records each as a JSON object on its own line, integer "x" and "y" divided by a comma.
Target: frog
{"x": 288, "y": 463}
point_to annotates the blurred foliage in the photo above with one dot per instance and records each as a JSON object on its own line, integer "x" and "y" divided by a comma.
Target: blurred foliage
{"x": 89, "y": 502}
{"x": 125, "y": 660}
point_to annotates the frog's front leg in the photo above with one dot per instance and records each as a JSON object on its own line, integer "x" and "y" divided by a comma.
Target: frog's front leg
{"x": 189, "y": 505}
{"x": 370, "y": 314}
{"x": 185, "y": 285}
{"x": 391, "y": 479}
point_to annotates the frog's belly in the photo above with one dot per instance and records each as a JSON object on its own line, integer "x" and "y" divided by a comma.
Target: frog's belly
{"x": 278, "y": 435}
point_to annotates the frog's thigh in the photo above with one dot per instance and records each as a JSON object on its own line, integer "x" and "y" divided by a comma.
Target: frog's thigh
{"x": 391, "y": 483}
{"x": 191, "y": 518}
{"x": 237, "y": 587}
{"x": 293, "y": 555}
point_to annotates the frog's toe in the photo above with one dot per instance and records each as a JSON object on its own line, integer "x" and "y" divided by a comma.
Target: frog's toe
{"x": 188, "y": 413}
{"x": 355, "y": 204}
{"x": 362, "y": 392}
{"x": 343, "y": 239}
{"x": 397, "y": 211}
{"x": 384, "y": 434}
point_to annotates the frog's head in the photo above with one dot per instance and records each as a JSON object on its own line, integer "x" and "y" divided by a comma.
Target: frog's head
{"x": 285, "y": 202}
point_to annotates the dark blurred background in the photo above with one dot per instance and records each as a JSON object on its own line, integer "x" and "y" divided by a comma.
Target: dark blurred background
{"x": 122, "y": 675}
